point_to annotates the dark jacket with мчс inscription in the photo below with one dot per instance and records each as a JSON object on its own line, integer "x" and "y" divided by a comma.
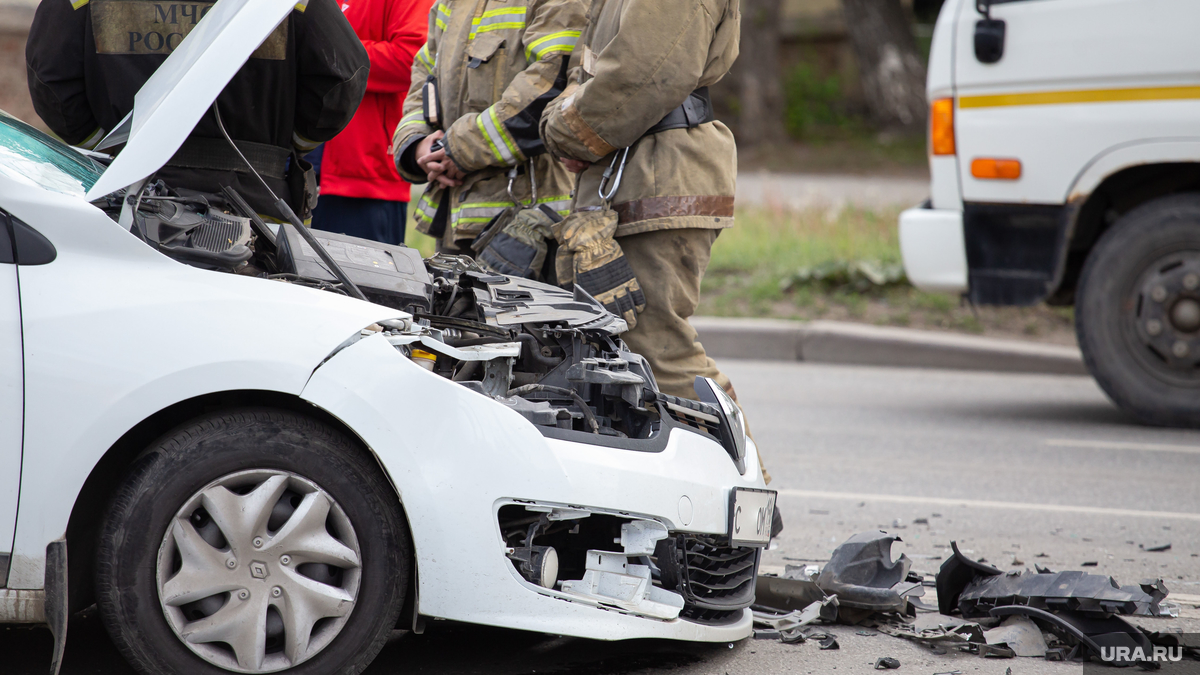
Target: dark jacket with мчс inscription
{"x": 86, "y": 60}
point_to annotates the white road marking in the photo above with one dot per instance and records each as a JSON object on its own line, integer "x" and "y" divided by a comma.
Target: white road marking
{"x": 987, "y": 504}
{"x": 1117, "y": 445}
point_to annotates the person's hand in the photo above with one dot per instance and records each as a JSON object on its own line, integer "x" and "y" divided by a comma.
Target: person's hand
{"x": 436, "y": 164}
{"x": 424, "y": 149}
{"x": 575, "y": 165}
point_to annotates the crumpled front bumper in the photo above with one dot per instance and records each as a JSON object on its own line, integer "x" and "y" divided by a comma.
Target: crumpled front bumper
{"x": 455, "y": 457}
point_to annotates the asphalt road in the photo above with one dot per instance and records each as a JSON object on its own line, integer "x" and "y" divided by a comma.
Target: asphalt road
{"x": 1018, "y": 469}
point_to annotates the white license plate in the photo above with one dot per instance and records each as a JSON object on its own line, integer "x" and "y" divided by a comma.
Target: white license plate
{"x": 750, "y": 513}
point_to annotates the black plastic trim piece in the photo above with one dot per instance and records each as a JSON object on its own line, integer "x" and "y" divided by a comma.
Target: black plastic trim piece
{"x": 7, "y": 253}
{"x": 1013, "y": 251}
{"x": 4, "y": 558}
{"x": 57, "y": 607}
{"x": 31, "y": 247}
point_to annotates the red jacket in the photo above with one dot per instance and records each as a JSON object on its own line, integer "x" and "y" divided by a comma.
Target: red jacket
{"x": 358, "y": 162}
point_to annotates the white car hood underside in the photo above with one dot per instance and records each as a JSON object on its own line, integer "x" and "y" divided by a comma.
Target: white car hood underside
{"x": 180, "y": 92}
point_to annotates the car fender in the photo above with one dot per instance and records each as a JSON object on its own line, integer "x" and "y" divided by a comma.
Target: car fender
{"x": 455, "y": 456}
{"x": 114, "y": 332}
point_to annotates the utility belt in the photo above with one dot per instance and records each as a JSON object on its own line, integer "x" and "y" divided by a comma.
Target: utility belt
{"x": 212, "y": 154}
{"x": 270, "y": 161}
{"x": 696, "y": 110}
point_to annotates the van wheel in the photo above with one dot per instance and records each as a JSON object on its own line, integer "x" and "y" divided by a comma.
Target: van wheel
{"x": 253, "y": 541}
{"x": 1138, "y": 312}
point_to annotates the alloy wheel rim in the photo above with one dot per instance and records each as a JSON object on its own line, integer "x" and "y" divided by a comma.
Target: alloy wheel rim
{"x": 1164, "y": 325}
{"x": 259, "y": 571}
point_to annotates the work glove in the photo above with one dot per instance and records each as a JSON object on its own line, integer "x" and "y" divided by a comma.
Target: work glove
{"x": 591, "y": 258}
{"x": 518, "y": 246}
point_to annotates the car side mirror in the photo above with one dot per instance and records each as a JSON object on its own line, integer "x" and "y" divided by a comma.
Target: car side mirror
{"x": 989, "y": 34}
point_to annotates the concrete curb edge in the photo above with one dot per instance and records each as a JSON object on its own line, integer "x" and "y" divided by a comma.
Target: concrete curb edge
{"x": 857, "y": 344}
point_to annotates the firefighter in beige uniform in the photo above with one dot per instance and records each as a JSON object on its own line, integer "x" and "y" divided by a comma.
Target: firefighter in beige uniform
{"x": 638, "y": 117}
{"x": 488, "y": 70}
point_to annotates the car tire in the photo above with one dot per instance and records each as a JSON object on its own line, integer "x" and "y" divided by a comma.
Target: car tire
{"x": 1137, "y": 316}
{"x": 237, "y": 458}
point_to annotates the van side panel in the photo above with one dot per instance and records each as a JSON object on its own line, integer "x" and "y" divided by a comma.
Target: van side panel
{"x": 1077, "y": 77}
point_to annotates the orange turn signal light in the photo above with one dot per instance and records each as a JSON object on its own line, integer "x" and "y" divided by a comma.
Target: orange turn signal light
{"x": 941, "y": 126}
{"x": 990, "y": 168}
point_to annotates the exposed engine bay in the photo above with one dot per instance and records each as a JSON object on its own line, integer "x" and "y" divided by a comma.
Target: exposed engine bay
{"x": 552, "y": 355}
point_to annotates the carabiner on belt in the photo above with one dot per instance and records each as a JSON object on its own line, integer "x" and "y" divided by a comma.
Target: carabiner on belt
{"x": 608, "y": 175}
{"x": 512, "y": 177}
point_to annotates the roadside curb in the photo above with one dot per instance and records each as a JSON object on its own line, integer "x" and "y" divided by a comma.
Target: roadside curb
{"x": 857, "y": 344}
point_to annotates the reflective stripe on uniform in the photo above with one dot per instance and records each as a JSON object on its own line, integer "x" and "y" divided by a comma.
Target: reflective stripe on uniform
{"x": 473, "y": 213}
{"x": 303, "y": 143}
{"x": 443, "y": 15}
{"x": 301, "y": 6}
{"x": 76, "y": 4}
{"x": 425, "y": 59}
{"x": 413, "y": 119}
{"x": 91, "y": 141}
{"x": 555, "y": 43}
{"x": 499, "y": 19}
{"x": 560, "y": 204}
{"x": 426, "y": 209}
{"x": 497, "y": 137}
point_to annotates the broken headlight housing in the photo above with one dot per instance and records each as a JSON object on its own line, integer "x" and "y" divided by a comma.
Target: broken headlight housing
{"x": 733, "y": 421}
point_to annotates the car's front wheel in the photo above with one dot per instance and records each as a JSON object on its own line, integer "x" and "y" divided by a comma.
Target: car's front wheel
{"x": 253, "y": 541}
{"x": 1138, "y": 311}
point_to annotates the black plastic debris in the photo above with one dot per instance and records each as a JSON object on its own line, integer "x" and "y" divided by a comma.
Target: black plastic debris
{"x": 1090, "y": 563}
{"x": 1089, "y": 634}
{"x": 1057, "y": 654}
{"x": 788, "y": 594}
{"x": 863, "y": 575}
{"x": 887, "y": 663}
{"x": 1155, "y": 548}
{"x": 1073, "y": 590}
{"x": 766, "y": 634}
{"x": 792, "y": 636}
{"x": 829, "y": 642}
{"x": 956, "y": 573}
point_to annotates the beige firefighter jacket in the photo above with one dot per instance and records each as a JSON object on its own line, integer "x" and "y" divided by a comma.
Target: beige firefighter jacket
{"x": 497, "y": 64}
{"x": 640, "y": 59}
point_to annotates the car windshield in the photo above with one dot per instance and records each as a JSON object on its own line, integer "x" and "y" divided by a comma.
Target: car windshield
{"x": 32, "y": 156}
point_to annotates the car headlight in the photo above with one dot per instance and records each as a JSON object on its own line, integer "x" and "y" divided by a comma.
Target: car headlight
{"x": 732, "y": 418}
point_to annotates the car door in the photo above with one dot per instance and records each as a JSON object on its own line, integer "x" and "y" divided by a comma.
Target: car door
{"x": 11, "y": 395}
{"x": 1076, "y": 78}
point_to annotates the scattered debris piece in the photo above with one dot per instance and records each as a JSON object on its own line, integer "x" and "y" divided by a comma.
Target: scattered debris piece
{"x": 921, "y": 521}
{"x": 766, "y": 634}
{"x": 887, "y": 663}
{"x": 1112, "y": 633}
{"x": 935, "y": 515}
{"x": 865, "y": 633}
{"x": 1090, "y": 563}
{"x": 950, "y": 672}
{"x": 1041, "y": 555}
{"x": 1056, "y": 654}
{"x": 1072, "y": 590}
{"x": 1017, "y": 562}
{"x": 795, "y": 619}
{"x": 862, "y": 574}
{"x": 829, "y": 642}
{"x": 1020, "y": 634}
{"x": 956, "y": 573}
{"x": 786, "y": 594}
{"x": 794, "y": 636}
{"x": 1155, "y": 548}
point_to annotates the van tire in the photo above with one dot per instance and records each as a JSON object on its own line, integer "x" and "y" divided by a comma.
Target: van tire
{"x": 1110, "y": 312}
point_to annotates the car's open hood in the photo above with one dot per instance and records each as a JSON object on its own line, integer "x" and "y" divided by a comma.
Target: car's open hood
{"x": 183, "y": 88}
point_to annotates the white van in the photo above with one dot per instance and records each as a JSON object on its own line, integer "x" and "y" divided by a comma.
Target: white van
{"x": 1065, "y": 164}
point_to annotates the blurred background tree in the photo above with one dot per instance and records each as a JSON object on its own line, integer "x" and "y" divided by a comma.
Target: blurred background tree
{"x": 830, "y": 85}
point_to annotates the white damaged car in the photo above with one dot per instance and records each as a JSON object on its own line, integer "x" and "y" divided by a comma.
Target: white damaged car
{"x": 248, "y": 471}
